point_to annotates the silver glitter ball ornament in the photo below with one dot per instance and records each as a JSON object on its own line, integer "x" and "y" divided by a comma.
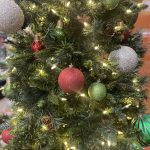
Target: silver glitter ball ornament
{"x": 11, "y": 16}
{"x": 125, "y": 58}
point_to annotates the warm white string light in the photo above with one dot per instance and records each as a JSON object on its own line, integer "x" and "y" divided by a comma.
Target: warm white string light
{"x": 64, "y": 99}
{"x": 54, "y": 11}
{"x": 102, "y": 143}
{"x": 140, "y": 5}
{"x": 32, "y": 7}
{"x": 14, "y": 69}
{"x": 20, "y": 110}
{"x": 44, "y": 128}
{"x": 54, "y": 67}
{"x": 114, "y": 73}
{"x": 105, "y": 64}
{"x": 72, "y": 148}
{"x": 97, "y": 47}
{"x": 82, "y": 95}
{"x": 86, "y": 24}
{"x": 41, "y": 72}
{"x": 109, "y": 143}
{"x": 135, "y": 80}
{"x": 128, "y": 11}
{"x": 120, "y": 132}
{"x": 68, "y": 4}
{"x": 105, "y": 112}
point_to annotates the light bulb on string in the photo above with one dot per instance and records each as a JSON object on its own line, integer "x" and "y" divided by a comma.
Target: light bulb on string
{"x": 128, "y": 11}
{"x": 127, "y": 106}
{"x": 32, "y": 7}
{"x": 90, "y": 2}
{"x": 139, "y": 5}
{"x": 41, "y": 72}
{"x": 109, "y": 143}
{"x": 14, "y": 70}
{"x": 129, "y": 118}
{"x": 52, "y": 58}
{"x": 44, "y": 128}
{"x": 72, "y": 148}
{"x": 66, "y": 20}
{"x": 42, "y": 18}
{"x": 102, "y": 143}
{"x": 114, "y": 73}
{"x": 54, "y": 66}
{"x": 105, "y": 64}
{"x": 20, "y": 110}
{"x": 138, "y": 90}
{"x": 8, "y": 57}
{"x": 105, "y": 112}
{"x": 68, "y": 4}
{"x": 64, "y": 125}
{"x": 54, "y": 11}
{"x": 82, "y": 95}
{"x": 86, "y": 24}
{"x": 97, "y": 47}
{"x": 135, "y": 80}
{"x": 63, "y": 99}
{"x": 66, "y": 143}
{"x": 120, "y": 133}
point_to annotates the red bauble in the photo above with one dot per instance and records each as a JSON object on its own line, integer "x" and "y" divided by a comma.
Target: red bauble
{"x": 37, "y": 44}
{"x": 126, "y": 36}
{"x": 6, "y": 136}
{"x": 71, "y": 80}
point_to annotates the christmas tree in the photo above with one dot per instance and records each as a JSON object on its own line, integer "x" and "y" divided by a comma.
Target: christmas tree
{"x": 74, "y": 75}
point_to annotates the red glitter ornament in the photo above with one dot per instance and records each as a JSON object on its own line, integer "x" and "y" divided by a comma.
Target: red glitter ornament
{"x": 71, "y": 80}
{"x": 6, "y": 136}
{"x": 126, "y": 36}
{"x": 37, "y": 44}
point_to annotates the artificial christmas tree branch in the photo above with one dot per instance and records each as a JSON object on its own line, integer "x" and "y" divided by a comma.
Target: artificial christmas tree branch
{"x": 75, "y": 85}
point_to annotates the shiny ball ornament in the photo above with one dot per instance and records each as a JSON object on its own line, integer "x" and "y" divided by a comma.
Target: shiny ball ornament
{"x": 59, "y": 29}
{"x": 97, "y": 91}
{"x": 125, "y": 58}
{"x": 37, "y": 44}
{"x": 11, "y": 17}
{"x": 6, "y": 136}
{"x": 110, "y": 4}
{"x": 143, "y": 125}
{"x": 125, "y": 36}
{"x": 3, "y": 144}
{"x": 71, "y": 80}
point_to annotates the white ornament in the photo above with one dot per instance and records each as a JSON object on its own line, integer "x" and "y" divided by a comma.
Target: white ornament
{"x": 3, "y": 144}
{"x": 125, "y": 58}
{"x": 11, "y": 16}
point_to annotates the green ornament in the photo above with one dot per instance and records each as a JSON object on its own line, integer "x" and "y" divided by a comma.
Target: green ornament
{"x": 110, "y": 4}
{"x": 135, "y": 146}
{"x": 143, "y": 124}
{"x": 59, "y": 33}
{"x": 7, "y": 90}
{"x": 97, "y": 91}
{"x": 59, "y": 29}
